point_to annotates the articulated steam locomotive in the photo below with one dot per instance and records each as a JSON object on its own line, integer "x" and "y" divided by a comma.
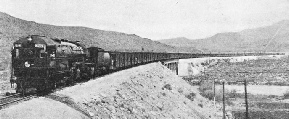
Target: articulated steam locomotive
{"x": 41, "y": 64}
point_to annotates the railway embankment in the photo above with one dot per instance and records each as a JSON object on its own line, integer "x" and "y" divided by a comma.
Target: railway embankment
{"x": 148, "y": 91}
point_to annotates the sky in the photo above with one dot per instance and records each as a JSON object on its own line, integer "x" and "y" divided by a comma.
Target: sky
{"x": 153, "y": 19}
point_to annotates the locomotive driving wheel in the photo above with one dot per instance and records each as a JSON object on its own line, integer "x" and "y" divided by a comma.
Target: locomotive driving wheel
{"x": 20, "y": 88}
{"x": 92, "y": 72}
{"x": 72, "y": 76}
{"x": 77, "y": 74}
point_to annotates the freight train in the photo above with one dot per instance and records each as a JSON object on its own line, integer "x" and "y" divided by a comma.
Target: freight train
{"x": 41, "y": 64}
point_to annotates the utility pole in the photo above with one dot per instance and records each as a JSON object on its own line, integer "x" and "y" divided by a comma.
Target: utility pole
{"x": 224, "y": 111}
{"x": 215, "y": 93}
{"x": 246, "y": 99}
{"x": 205, "y": 73}
{"x": 246, "y": 96}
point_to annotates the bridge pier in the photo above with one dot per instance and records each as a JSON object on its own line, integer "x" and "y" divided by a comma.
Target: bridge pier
{"x": 172, "y": 65}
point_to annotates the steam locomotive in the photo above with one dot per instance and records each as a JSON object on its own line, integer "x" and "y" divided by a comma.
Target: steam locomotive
{"x": 41, "y": 64}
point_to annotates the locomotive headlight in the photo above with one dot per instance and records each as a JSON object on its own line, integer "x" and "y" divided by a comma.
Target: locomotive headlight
{"x": 39, "y": 45}
{"x": 14, "y": 78}
{"x": 17, "y": 45}
{"x": 26, "y": 64}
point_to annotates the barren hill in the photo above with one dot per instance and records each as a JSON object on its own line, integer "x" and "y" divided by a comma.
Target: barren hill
{"x": 178, "y": 42}
{"x": 182, "y": 43}
{"x": 270, "y": 38}
{"x": 12, "y": 28}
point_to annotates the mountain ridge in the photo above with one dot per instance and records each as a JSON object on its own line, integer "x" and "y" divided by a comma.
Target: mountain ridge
{"x": 273, "y": 38}
{"x": 11, "y": 28}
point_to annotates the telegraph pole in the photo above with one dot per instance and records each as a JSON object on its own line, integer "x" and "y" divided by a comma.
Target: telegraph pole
{"x": 246, "y": 96}
{"x": 224, "y": 111}
{"x": 246, "y": 99}
{"x": 214, "y": 93}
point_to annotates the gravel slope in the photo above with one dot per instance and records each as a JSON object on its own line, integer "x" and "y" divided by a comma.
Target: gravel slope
{"x": 150, "y": 91}
{"x": 41, "y": 108}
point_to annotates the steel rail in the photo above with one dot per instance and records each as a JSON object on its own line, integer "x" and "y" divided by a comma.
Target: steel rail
{"x": 5, "y": 103}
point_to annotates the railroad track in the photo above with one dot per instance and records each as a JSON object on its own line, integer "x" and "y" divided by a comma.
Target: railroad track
{"x": 13, "y": 99}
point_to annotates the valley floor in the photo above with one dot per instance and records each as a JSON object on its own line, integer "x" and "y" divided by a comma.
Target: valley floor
{"x": 267, "y": 87}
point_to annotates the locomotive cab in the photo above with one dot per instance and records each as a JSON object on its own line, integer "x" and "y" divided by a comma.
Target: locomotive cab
{"x": 101, "y": 58}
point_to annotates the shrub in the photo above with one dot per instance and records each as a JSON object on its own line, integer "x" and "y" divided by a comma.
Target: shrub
{"x": 200, "y": 105}
{"x": 208, "y": 94}
{"x": 272, "y": 96}
{"x": 233, "y": 94}
{"x": 206, "y": 85}
{"x": 286, "y": 95}
{"x": 218, "y": 96}
{"x": 191, "y": 96}
{"x": 180, "y": 90}
{"x": 167, "y": 86}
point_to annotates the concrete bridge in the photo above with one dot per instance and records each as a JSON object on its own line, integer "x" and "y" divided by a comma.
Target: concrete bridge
{"x": 197, "y": 65}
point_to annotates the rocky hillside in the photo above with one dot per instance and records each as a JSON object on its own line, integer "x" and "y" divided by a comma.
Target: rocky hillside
{"x": 12, "y": 28}
{"x": 270, "y": 38}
